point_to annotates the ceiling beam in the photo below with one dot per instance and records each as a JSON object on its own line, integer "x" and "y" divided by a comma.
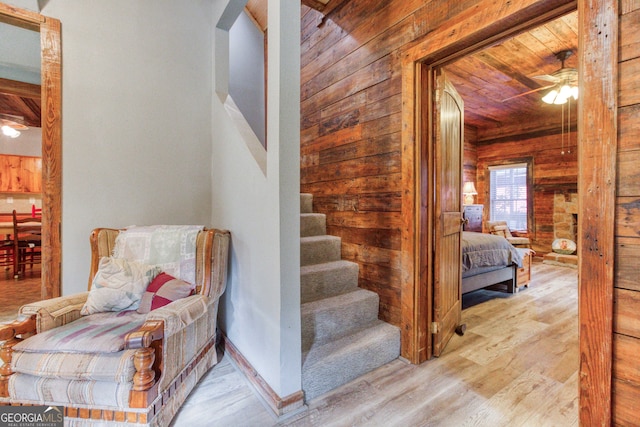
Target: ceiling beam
{"x": 24, "y": 90}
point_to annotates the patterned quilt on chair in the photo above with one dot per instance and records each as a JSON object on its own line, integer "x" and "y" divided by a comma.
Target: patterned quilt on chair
{"x": 172, "y": 247}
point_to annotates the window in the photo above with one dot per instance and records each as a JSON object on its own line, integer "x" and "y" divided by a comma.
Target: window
{"x": 508, "y": 195}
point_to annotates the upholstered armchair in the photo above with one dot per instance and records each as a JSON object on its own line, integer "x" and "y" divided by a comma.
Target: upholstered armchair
{"x": 501, "y": 228}
{"x": 158, "y": 356}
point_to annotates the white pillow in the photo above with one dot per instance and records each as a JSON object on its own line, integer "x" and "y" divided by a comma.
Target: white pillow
{"x": 118, "y": 285}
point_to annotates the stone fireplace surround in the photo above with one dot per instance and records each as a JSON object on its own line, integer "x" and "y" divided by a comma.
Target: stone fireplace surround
{"x": 565, "y": 226}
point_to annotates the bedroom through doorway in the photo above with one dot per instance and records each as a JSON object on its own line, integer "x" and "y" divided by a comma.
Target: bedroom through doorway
{"x": 519, "y": 168}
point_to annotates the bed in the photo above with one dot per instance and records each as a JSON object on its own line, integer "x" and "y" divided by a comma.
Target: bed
{"x": 487, "y": 260}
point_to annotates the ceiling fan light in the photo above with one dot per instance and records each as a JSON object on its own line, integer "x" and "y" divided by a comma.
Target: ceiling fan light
{"x": 10, "y": 132}
{"x": 574, "y": 92}
{"x": 550, "y": 97}
{"x": 560, "y": 100}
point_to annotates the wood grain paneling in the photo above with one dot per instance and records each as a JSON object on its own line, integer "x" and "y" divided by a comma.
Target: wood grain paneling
{"x": 350, "y": 107}
{"x": 342, "y": 74}
{"x": 624, "y": 402}
{"x": 599, "y": 99}
{"x": 627, "y": 265}
{"x": 625, "y": 311}
{"x": 20, "y": 174}
{"x": 626, "y": 343}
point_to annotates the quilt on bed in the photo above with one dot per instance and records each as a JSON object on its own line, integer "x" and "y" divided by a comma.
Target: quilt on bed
{"x": 485, "y": 252}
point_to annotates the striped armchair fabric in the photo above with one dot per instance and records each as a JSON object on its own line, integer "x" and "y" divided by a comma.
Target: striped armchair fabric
{"x": 143, "y": 384}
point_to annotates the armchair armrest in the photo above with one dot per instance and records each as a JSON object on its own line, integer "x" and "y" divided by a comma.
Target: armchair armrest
{"x": 8, "y": 335}
{"x": 160, "y": 331}
{"x": 55, "y": 312}
{"x": 181, "y": 313}
{"x": 22, "y": 325}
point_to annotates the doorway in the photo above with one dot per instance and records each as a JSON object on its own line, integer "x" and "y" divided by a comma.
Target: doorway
{"x": 520, "y": 151}
{"x": 51, "y": 99}
{"x": 598, "y": 59}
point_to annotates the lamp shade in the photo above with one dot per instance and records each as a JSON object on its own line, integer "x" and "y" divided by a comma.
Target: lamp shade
{"x": 469, "y": 188}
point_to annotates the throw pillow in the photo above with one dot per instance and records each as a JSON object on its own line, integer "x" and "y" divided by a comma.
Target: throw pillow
{"x": 118, "y": 285}
{"x": 163, "y": 290}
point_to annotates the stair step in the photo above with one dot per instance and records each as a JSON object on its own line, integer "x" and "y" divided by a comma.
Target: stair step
{"x": 313, "y": 224}
{"x": 331, "y": 318}
{"x": 306, "y": 203}
{"x": 327, "y": 279}
{"x": 319, "y": 249}
{"x": 330, "y": 365}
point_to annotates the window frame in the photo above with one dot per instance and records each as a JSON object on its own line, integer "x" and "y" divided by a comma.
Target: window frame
{"x": 528, "y": 162}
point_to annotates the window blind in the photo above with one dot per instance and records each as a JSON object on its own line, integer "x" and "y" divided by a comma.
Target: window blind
{"x": 508, "y": 195}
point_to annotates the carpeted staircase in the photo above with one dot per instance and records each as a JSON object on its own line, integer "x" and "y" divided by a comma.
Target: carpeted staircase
{"x": 342, "y": 337}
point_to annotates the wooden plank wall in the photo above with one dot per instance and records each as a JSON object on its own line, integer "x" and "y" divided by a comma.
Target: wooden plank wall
{"x": 20, "y": 174}
{"x": 470, "y": 164}
{"x": 552, "y": 171}
{"x": 351, "y": 123}
{"x": 626, "y": 339}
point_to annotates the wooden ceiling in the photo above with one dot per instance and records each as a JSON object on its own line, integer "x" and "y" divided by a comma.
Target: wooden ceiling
{"x": 19, "y": 103}
{"x": 487, "y": 78}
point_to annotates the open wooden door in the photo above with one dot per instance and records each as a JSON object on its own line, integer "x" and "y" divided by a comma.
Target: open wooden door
{"x": 448, "y": 150}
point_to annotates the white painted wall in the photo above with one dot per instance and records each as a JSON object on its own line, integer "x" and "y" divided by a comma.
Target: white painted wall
{"x": 136, "y": 114}
{"x": 144, "y": 142}
{"x": 246, "y": 72}
{"x": 260, "y": 311}
{"x": 20, "y": 53}
{"x": 24, "y": 4}
{"x": 29, "y": 143}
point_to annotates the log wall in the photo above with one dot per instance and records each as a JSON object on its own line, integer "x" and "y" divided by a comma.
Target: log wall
{"x": 470, "y": 164}
{"x": 351, "y": 124}
{"x": 552, "y": 172}
{"x": 626, "y": 322}
{"x": 351, "y": 153}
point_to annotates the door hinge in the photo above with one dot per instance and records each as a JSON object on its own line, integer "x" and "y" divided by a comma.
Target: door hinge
{"x": 434, "y": 327}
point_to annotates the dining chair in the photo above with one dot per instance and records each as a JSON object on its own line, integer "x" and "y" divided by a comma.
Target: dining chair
{"x": 27, "y": 243}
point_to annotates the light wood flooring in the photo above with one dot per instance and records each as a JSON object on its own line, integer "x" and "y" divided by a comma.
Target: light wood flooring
{"x": 516, "y": 365}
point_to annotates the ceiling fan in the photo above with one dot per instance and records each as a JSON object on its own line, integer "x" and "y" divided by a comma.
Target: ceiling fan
{"x": 564, "y": 82}
{"x": 10, "y": 125}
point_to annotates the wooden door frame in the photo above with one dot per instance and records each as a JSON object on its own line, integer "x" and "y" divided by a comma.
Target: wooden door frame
{"x": 487, "y": 23}
{"x": 51, "y": 107}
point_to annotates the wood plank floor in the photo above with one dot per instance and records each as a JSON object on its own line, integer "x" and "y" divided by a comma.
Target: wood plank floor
{"x": 517, "y": 365}
{"x": 15, "y": 293}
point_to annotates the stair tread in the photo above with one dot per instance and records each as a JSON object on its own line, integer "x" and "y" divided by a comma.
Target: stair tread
{"x": 327, "y": 279}
{"x": 313, "y": 224}
{"x": 338, "y": 300}
{"x": 331, "y": 318}
{"x": 306, "y": 202}
{"x": 325, "y": 266}
{"x": 319, "y": 249}
{"x": 332, "y": 364}
{"x": 342, "y": 345}
{"x": 308, "y": 239}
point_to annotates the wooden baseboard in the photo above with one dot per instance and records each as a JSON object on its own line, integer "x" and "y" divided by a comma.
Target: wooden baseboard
{"x": 279, "y": 405}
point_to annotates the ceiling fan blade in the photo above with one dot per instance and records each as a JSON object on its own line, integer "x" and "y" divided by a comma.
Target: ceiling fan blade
{"x": 547, "y": 78}
{"x": 528, "y": 92}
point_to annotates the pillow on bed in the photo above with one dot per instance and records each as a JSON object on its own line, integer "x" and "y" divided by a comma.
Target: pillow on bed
{"x": 118, "y": 285}
{"x": 163, "y": 290}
